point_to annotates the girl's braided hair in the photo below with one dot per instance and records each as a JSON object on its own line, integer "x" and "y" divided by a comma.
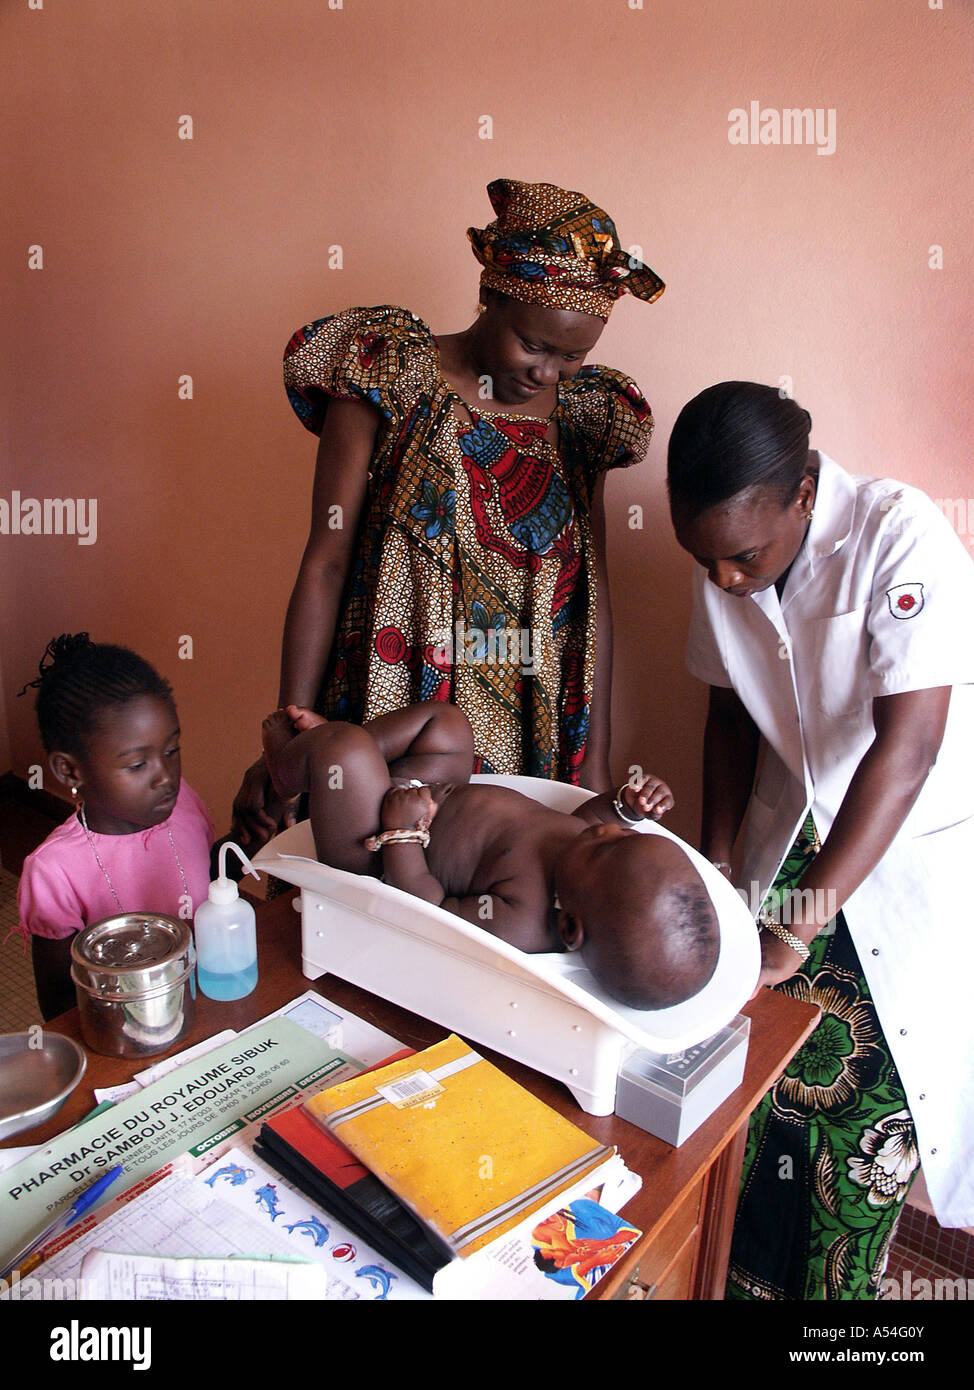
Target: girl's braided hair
{"x": 79, "y": 679}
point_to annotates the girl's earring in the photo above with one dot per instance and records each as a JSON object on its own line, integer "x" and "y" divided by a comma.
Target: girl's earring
{"x": 481, "y": 308}
{"x": 74, "y": 791}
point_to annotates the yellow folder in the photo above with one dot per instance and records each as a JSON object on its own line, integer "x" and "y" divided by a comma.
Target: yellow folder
{"x": 469, "y": 1150}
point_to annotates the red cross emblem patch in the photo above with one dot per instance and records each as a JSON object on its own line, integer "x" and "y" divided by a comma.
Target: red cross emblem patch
{"x": 905, "y": 600}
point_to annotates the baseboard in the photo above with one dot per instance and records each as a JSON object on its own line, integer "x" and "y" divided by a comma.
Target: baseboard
{"x": 15, "y": 791}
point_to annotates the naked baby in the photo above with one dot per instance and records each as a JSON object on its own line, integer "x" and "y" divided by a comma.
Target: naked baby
{"x": 394, "y": 797}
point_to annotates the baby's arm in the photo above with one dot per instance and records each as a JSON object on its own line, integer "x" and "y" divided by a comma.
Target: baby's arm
{"x": 643, "y": 797}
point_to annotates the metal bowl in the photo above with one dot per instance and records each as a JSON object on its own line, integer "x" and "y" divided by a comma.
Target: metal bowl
{"x": 38, "y": 1071}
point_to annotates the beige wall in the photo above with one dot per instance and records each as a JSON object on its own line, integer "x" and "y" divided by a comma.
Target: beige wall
{"x": 361, "y": 126}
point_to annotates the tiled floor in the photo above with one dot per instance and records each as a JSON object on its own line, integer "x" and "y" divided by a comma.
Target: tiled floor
{"x": 929, "y": 1262}
{"x": 18, "y": 1002}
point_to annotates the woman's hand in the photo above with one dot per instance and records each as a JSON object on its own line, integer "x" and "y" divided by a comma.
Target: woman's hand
{"x": 258, "y": 810}
{"x": 778, "y": 961}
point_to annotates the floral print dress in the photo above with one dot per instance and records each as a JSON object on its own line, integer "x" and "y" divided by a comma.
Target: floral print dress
{"x": 831, "y": 1150}
{"x": 474, "y": 578}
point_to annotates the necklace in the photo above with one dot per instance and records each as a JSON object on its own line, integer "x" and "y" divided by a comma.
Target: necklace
{"x": 94, "y": 850}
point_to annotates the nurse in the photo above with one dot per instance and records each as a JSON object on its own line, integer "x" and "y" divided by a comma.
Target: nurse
{"x": 833, "y": 620}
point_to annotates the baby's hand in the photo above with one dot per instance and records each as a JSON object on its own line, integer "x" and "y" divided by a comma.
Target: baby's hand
{"x": 404, "y": 808}
{"x": 647, "y": 796}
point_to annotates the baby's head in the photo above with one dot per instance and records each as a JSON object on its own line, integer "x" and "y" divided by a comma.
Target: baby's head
{"x": 639, "y": 913}
{"x": 108, "y": 723}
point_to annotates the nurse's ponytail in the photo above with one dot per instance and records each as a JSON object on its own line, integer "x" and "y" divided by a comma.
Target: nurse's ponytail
{"x": 734, "y": 436}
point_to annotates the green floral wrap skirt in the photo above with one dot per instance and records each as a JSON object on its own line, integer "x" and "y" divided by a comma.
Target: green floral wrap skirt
{"x": 831, "y": 1151}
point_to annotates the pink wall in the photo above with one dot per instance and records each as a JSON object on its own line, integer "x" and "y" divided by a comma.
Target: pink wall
{"x": 360, "y": 126}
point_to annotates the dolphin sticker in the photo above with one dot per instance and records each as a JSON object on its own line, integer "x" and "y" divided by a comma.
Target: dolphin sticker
{"x": 378, "y": 1277}
{"x": 310, "y": 1226}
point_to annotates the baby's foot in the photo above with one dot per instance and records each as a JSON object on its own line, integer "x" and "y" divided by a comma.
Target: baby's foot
{"x": 302, "y": 718}
{"x": 276, "y": 733}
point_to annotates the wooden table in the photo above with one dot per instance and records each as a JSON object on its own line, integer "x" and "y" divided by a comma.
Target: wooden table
{"x": 686, "y": 1205}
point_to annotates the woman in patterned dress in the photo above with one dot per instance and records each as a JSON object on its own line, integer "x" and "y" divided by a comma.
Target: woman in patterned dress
{"x": 456, "y": 549}
{"x": 832, "y": 623}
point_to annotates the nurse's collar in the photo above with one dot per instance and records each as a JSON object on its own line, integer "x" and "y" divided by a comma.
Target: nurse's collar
{"x": 835, "y": 501}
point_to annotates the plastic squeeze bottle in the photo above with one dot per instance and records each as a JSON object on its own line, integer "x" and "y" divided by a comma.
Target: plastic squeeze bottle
{"x": 226, "y": 936}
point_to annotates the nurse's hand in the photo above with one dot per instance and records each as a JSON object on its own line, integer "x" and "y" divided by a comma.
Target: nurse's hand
{"x": 778, "y": 961}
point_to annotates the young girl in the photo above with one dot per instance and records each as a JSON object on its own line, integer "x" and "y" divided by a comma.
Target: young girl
{"x": 139, "y": 838}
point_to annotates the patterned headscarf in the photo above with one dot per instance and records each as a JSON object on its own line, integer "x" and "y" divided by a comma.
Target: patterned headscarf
{"x": 553, "y": 247}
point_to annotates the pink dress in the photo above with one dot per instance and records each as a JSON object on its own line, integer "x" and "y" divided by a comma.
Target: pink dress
{"x": 62, "y": 888}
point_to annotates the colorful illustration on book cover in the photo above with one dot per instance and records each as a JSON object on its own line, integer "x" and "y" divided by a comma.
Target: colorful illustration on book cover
{"x": 579, "y": 1243}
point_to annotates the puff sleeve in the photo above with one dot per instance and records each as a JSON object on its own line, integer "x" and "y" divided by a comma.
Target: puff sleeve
{"x": 609, "y": 419}
{"x": 385, "y": 356}
{"x": 47, "y": 901}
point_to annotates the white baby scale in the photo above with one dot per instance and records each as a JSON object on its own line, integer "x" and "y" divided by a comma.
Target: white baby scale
{"x": 544, "y": 1010}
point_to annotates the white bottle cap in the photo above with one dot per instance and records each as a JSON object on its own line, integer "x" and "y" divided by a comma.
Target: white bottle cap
{"x": 224, "y": 890}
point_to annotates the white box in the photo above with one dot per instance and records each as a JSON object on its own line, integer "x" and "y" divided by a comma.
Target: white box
{"x": 671, "y": 1094}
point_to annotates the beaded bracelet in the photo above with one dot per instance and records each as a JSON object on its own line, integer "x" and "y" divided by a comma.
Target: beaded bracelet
{"x": 416, "y": 836}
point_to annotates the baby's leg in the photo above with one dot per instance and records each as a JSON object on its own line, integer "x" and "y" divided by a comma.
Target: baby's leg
{"x": 431, "y": 742}
{"x": 342, "y": 768}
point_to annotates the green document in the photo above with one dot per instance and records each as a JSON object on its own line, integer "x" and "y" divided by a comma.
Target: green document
{"x": 189, "y": 1110}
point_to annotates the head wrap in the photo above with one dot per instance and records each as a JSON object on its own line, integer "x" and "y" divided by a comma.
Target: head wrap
{"x": 553, "y": 247}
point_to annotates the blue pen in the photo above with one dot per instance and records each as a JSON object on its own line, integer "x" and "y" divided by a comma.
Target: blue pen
{"x": 78, "y": 1207}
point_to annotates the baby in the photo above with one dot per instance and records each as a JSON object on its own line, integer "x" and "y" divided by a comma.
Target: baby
{"x": 632, "y": 904}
